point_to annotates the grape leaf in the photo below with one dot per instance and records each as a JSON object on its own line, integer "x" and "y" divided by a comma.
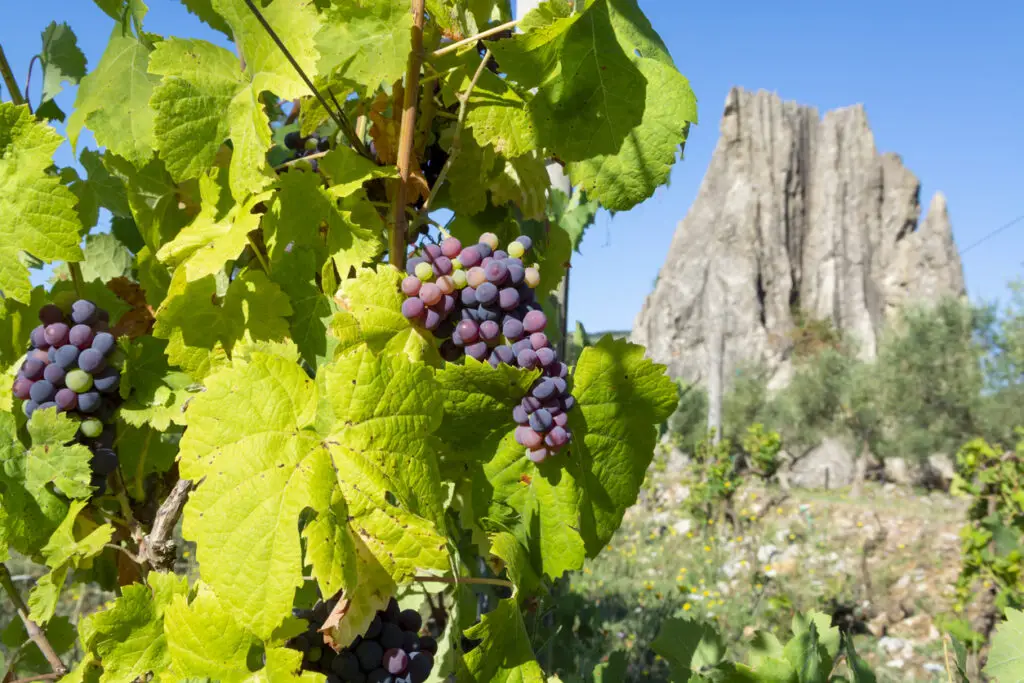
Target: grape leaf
{"x": 128, "y": 637}
{"x": 497, "y": 116}
{"x": 119, "y": 10}
{"x": 330, "y": 545}
{"x": 300, "y": 204}
{"x": 248, "y": 435}
{"x": 609, "y": 99}
{"x": 64, "y": 552}
{"x": 547, "y": 498}
{"x": 468, "y": 178}
{"x": 54, "y": 457}
{"x": 159, "y": 206}
{"x": 380, "y": 413}
{"x": 574, "y": 214}
{"x": 504, "y": 655}
{"x": 524, "y": 181}
{"x": 631, "y": 174}
{"x": 621, "y": 398}
{"x": 153, "y": 393}
{"x": 205, "y": 642}
{"x": 122, "y": 76}
{"x": 16, "y": 322}
{"x": 61, "y": 59}
{"x": 478, "y": 402}
{"x": 357, "y": 607}
{"x": 218, "y": 234}
{"x": 372, "y": 301}
{"x": 199, "y": 81}
{"x": 295, "y": 272}
{"x": 199, "y": 331}
{"x": 688, "y": 646}
{"x": 105, "y": 258}
{"x": 143, "y": 451}
{"x": 203, "y": 9}
{"x": 37, "y": 213}
{"x": 347, "y": 171}
{"x": 1006, "y": 657}
{"x": 365, "y": 42}
{"x": 515, "y": 558}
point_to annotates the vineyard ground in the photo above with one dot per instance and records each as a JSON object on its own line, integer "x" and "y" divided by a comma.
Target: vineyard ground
{"x": 885, "y": 562}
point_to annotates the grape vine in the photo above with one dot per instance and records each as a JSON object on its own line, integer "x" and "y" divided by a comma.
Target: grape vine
{"x": 303, "y": 306}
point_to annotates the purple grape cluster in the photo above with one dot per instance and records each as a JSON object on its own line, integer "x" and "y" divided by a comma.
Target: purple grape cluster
{"x": 391, "y": 650}
{"x": 304, "y": 146}
{"x": 69, "y": 368}
{"x": 480, "y": 301}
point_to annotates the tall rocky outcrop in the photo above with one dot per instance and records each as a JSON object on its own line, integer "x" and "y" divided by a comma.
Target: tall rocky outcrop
{"x": 796, "y": 213}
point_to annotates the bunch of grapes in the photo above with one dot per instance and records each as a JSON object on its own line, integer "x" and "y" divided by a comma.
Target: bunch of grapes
{"x": 69, "y": 368}
{"x": 480, "y": 301}
{"x": 391, "y": 650}
{"x": 304, "y": 146}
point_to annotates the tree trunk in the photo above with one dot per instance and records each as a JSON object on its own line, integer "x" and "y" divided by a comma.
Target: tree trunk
{"x": 860, "y": 471}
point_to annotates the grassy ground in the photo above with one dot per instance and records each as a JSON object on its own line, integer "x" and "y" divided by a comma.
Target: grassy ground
{"x": 883, "y": 565}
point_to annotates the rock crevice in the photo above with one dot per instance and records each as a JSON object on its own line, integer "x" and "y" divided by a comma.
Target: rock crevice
{"x": 797, "y": 214}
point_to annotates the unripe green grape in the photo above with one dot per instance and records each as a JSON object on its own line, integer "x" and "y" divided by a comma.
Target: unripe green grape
{"x": 424, "y": 271}
{"x": 78, "y": 381}
{"x": 91, "y": 428}
{"x": 516, "y": 250}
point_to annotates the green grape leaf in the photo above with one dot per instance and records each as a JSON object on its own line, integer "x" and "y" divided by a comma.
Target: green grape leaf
{"x": 347, "y": 171}
{"x": 248, "y": 437}
{"x": 217, "y": 235}
{"x": 37, "y": 213}
{"x": 199, "y": 81}
{"x": 296, "y": 22}
{"x": 478, "y": 403}
{"x": 373, "y": 301}
{"x": 621, "y": 398}
{"x": 497, "y": 116}
{"x": 144, "y": 450}
{"x": 106, "y": 258}
{"x": 688, "y": 646}
{"x": 1006, "y": 657}
{"x": 365, "y": 42}
{"x": 108, "y": 189}
{"x": 808, "y": 656}
{"x": 623, "y": 179}
{"x": 829, "y": 636}
{"x": 613, "y": 670}
{"x": 159, "y": 206}
{"x": 764, "y": 646}
{"x": 205, "y": 642}
{"x": 516, "y": 560}
{"x": 16, "y": 322}
{"x": 199, "y": 331}
{"x": 380, "y": 413}
{"x": 312, "y": 310}
{"x": 330, "y": 545}
{"x": 153, "y": 393}
{"x": 203, "y": 9}
{"x": 504, "y": 655}
{"x": 304, "y": 215}
{"x": 523, "y": 181}
{"x": 547, "y": 498}
{"x": 128, "y": 637}
{"x": 64, "y": 552}
{"x": 574, "y": 214}
{"x": 468, "y": 178}
{"x": 608, "y": 97}
{"x": 124, "y": 10}
{"x": 61, "y": 59}
{"x": 122, "y": 76}
{"x": 54, "y": 458}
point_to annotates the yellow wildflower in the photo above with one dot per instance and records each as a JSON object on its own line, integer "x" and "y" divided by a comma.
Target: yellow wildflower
{"x": 687, "y": 606}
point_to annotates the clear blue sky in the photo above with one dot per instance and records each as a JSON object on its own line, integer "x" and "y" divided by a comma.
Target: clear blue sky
{"x": 942, "y": 83}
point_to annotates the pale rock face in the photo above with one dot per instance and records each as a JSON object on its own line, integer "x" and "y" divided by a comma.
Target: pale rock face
{"x": 795, "y": 212}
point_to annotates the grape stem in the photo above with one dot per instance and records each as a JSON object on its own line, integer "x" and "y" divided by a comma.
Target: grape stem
{"x": 464, "y": 580}
{"x": 472, "y": 39}
{"x": 406, "y": 136}
{"x": 35, "y": 633}
{"x": 460, "y": 125}
{"x": 9, "y": 80}
{"x": 128, "y": 553}
{"x": 76, "y": 278}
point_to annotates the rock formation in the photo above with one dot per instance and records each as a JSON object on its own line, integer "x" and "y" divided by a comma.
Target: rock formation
{"x": 795, "y": 214}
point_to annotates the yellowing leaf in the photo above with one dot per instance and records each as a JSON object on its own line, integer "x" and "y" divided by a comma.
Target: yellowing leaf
{"x": 37, "y": 213}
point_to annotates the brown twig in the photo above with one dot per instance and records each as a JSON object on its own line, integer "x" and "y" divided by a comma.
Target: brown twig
{"x": 158, "y": 549}
{"x": 36, "y": 634}
{"x": 128, "y": 553}
{"x": 407, "y": 134}
{"x": 472, "y": 39}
